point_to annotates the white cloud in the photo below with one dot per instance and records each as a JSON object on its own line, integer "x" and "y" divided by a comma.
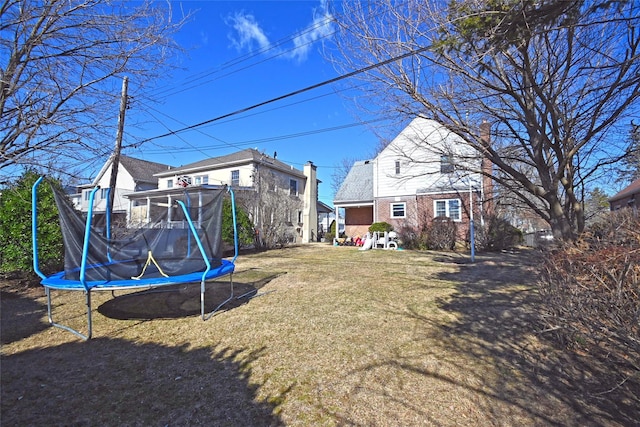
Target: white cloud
{"x": 248, "y": 34}
{"x": 204, "y": 38}
{"x": 320, "y": 27}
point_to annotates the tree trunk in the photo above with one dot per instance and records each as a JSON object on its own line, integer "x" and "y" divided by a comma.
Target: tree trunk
{"x": 560, "y": 223}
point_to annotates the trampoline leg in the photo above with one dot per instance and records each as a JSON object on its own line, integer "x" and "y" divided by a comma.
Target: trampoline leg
{"x": 211, "y": 313}
{"x": 68, "y": 328}
{"x": 202, "y": 289}
{"x": 89, "y": 322}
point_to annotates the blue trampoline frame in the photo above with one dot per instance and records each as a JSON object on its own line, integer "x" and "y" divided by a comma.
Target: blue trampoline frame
{"x": 57, "y": 281}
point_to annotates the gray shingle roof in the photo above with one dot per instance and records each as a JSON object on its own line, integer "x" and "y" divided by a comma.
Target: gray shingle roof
{"x": 358, "y": 185}
{"x": 245, "y": 156}
{"x": 142, "y": 170}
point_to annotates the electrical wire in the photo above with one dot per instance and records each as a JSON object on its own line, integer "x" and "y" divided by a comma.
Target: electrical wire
{"x": 290, "y": 94}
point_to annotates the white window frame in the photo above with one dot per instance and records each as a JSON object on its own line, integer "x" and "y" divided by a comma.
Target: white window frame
{"x": 201, "y": 179}
{"x": 392, "y": 211}
{"x": 447, "y": 165}
{"x": 397, "y": 167}
{"x": 169, "y": 183}
{"x": 103, "y": 193}
{"x": 447, "y": 208}
{"x": 235, "y": 182}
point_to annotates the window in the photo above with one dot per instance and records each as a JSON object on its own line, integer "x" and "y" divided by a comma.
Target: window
{"x": 103, "y": 193}
{"x": 293, "y": 187}
{"x": 398, "y": 210}
{"x": 446, "y": 164}
{"x": 235, "y": 177}
{"x": 202, "y": 180}
{"x": 87, "y": 193}
{"x": 397, "y": 167}
{"x": 449, "y": 208}
{"x": 169, "y": 183}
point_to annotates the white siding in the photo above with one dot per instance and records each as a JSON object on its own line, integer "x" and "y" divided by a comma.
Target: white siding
{"x": 418, "y": 149}
{"x": 124, "y": 185}
{"x": 215, "y": 176}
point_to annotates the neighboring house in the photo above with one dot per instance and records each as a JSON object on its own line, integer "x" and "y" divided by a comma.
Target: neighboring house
{"x": 420, "y": 175}
{"x": 326, "y": 216}
{"x": 133, "y": 175}
{"x": 282, "y": 201}
{"x": 629, "y": 197}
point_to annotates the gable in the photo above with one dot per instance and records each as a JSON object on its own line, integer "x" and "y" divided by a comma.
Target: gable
{"x": 414, "y": 161}
{"x": 136, "y": 171}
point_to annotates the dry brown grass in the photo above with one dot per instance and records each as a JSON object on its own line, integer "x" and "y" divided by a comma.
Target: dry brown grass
{"x": 338, "y": 337}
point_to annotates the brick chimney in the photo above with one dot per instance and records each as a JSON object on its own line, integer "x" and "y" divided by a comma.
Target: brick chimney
{"x": 487, "y": 169}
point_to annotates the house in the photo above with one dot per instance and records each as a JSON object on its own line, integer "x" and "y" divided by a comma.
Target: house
{"x": 427, "y": 171}
{"x": 133, "y": 175}
{"x": 628, "y": 197}
{"x": 281, "y": 200}
{"x": 326, "y": 216}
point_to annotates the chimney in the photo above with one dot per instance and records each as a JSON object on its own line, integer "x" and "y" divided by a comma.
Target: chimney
{"x": 310, "y": 209}
{"x": 487, "y": 168}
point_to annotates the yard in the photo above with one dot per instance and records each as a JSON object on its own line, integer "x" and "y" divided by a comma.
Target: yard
{"x": 335, "y": 336}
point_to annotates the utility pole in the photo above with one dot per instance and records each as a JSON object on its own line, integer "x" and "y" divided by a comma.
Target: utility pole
{"x": 116, "y": 152}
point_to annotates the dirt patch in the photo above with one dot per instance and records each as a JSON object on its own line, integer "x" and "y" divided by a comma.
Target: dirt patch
{"x": 171, "y": 302}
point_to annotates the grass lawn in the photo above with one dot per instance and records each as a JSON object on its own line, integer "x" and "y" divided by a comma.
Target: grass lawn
{"x": 336, "y": 336}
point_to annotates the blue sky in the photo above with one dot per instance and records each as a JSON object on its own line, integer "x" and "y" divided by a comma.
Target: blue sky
{"x": 241, "y": 53}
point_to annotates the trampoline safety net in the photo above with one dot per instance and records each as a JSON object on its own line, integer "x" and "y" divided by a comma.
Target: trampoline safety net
{"x": 162, "y": 244}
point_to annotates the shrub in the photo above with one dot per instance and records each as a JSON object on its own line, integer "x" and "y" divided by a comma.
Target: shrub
{"x": 497, "y": 234}
{"x": 246, "y": 230}
{"x": 16, "y": 252}
{"x": 413, "y": 238}
{"x": 441, "y": 234}
{"x": 380, "y": 227}
{"x": 331, "y": 234}
{"x": 591, "y": 290}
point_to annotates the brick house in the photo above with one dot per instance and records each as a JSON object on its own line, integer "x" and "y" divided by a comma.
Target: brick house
{"x": 425, "y": 172}
{"x": 628, "y": 197}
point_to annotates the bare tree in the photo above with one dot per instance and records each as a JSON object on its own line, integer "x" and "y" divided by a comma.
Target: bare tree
{"x": 274, "y": 208}
{"x": 340, "y": 172}
{"x": 61, "y": 64}
{"x": 555, "y": 79}
{"x": 630, "y": 167}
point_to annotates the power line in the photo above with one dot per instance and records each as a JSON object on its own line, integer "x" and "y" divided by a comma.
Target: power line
{"x": 193, "y": 81}
{"x": 264, "y": 140}
{"x": 290, "y": 94}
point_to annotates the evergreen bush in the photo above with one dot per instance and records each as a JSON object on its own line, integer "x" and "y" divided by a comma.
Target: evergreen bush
{"x": 246, "y": 230}
{"x": 16, "y": 253}
{"x": 380, "y": 227}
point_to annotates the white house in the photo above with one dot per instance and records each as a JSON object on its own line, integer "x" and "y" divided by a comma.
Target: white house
{"x": 425, "y": 172}
{"x": 281, "y": 200}
{"x": 133, "y": 175}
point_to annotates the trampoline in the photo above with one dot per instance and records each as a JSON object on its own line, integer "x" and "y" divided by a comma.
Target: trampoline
{"x": 176, "y": 238}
